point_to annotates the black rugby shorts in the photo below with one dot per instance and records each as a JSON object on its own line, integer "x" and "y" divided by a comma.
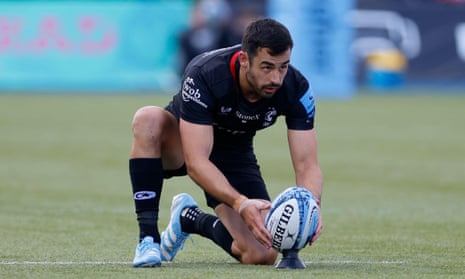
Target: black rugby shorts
{"x": 246, "y": 178}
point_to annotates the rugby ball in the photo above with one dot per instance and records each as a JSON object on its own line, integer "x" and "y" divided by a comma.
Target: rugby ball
{"x": 292, "y": 219}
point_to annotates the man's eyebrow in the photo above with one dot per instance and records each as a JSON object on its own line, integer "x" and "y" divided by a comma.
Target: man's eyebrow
{"x": 273, "y": 64}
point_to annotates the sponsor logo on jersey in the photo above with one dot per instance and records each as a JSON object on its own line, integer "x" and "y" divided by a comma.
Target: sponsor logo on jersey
{"x": 246, "y": 118}
{"x": 190, "y": 93}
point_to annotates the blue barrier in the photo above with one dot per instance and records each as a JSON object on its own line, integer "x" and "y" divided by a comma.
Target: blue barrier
{"x": 322, "y": 39}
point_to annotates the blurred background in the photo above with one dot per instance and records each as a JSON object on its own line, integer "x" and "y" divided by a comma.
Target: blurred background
{"x": 391, "y": 74}
{"x": 133, "y": 47}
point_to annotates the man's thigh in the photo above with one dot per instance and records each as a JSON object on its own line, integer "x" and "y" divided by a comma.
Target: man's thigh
{"x": 246, "y": 180}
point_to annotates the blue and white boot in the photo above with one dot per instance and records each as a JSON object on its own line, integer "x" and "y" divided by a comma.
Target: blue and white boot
{"x": 147, "y": 253}
{"x": 173, "y": 238}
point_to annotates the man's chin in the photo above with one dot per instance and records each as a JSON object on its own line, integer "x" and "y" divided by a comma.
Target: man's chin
{"x": 268, "y": 95}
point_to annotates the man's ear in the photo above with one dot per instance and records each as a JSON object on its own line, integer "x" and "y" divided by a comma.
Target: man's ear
{"x": 243, "y": 59}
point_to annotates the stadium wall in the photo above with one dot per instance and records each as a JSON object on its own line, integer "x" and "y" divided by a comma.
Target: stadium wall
{"x": 131, "y": 46}
{"x": 90, "y": 45}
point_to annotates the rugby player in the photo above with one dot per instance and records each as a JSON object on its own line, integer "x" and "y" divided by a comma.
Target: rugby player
{"x": 207, "y": 132}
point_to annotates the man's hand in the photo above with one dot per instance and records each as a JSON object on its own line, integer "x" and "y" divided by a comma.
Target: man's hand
{"x": 251, "y": 212}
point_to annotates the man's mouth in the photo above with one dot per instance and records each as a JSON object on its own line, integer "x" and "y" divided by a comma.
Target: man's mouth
{"x": 270, "y": 90}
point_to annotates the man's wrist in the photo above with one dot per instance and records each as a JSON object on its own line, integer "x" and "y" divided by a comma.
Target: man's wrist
{"x": 238, "y": 202}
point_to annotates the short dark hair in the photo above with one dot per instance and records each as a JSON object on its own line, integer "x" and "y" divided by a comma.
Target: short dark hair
{"x": 266, "y": 33}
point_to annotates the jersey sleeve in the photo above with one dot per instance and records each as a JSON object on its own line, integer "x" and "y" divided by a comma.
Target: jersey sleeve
{"x": 301, "y": 115}
{"x": 197, "y": 99}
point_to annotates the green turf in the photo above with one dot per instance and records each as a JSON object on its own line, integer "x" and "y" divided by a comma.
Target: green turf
{"x": 393, "y": 205}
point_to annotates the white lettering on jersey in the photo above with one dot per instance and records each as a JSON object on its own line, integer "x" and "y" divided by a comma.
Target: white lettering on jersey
{"x": 244, "y": 117}
{"x": 190, "y": 93}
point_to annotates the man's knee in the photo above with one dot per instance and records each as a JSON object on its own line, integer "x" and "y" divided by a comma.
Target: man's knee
{"x": 147, "y": 121}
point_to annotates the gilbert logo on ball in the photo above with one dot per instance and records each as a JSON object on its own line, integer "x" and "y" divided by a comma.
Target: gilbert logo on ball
{"x": 292, "y": 219}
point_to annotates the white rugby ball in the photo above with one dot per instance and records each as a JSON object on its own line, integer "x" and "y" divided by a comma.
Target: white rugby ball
{"x": 292, "y": 219}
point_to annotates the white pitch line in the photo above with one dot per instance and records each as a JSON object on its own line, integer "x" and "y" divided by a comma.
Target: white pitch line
{"x": 64, "y": 263}
{"x": 358, "y": 262}
{"x": 129, "y": 263}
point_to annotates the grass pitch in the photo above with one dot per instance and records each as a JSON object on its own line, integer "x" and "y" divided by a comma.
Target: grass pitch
{"x": 393, "y": 203}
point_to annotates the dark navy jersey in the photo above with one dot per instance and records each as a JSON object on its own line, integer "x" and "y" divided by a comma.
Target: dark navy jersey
{"x": 210, "y": 96}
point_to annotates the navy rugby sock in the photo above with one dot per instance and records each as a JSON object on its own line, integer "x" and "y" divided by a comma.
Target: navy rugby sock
{"x": 194, "y": 220}
{"x": 147, "y": 181}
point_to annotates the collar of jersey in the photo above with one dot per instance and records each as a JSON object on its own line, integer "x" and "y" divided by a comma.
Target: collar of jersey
{"x": 232, "y": 65}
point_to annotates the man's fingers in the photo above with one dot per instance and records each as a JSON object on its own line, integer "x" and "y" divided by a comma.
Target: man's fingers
{"x": 250, "y": 210}
{"x": 263, "y": 236}
{"x": 318, "y": 231}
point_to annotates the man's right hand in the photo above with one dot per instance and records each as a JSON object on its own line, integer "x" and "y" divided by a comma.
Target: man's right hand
{"x": 251, "y": 211}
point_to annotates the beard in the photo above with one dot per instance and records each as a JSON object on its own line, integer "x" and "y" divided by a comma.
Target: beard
{"x": 260, "y": 91}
